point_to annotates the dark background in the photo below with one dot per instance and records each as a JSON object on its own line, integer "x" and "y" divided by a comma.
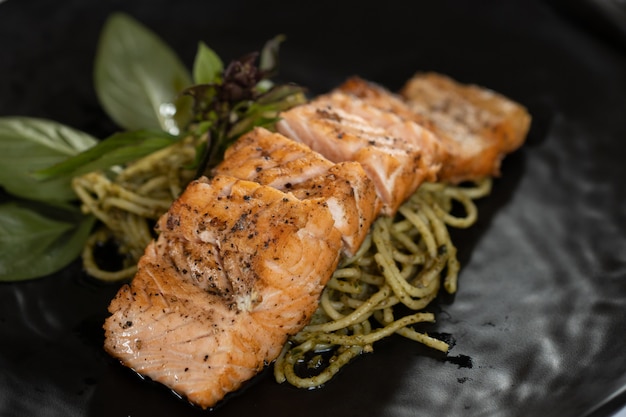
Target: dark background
{"x": 539, "y": 316}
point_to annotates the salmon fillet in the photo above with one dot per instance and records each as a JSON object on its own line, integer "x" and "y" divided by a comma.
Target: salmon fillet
{"x": 397, "y": 154}
{"x": 237, "y": 268}
{"x": 478, "y": 126}
{"x": 272, "y": 159}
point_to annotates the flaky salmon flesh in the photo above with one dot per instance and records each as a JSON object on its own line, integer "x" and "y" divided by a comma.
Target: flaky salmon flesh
{"x": 478, "y": 126}
{"x": 272, "y": 159}
{"x": 236, "y": 269}
{"x": 241, "y": 258}
{"x": 397, "y": 154}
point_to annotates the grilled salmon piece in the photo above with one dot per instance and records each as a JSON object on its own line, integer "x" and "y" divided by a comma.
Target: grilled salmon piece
{"x": 272, "y": 159}
{"x": 384, "y": 110}
{"x": 236, "y": 269}
{"x": 478, "y": 126}
{"x": 397, "y": 154}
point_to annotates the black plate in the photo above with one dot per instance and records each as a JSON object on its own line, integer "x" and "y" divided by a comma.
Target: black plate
{"x": 539, "y": 316}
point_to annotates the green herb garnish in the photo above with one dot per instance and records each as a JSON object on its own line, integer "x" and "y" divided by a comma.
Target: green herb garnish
{"x": 239, "y": 99}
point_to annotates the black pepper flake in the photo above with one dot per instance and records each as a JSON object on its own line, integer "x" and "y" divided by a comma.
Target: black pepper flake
{"x": 328, "y": 114}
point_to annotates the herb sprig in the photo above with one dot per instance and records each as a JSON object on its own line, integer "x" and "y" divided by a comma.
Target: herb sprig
{"x": 240, "y": 99}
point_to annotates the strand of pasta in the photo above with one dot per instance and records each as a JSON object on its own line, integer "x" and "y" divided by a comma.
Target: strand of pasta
{"x": 369, "y": 338}
{"x": 358, "y": 314}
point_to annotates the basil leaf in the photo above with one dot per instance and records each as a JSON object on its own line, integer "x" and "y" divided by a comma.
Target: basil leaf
{"x": 34, "y": 245}
{"x": 207, "y": 66}
{"x": 117, "y": 149}
{"x": 137, "y": 76}
{"x": 30, "y": 144}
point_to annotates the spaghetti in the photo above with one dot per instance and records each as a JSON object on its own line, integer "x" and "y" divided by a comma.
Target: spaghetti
{"x": 403, "y": 262}
{"x": 129, "y": 201}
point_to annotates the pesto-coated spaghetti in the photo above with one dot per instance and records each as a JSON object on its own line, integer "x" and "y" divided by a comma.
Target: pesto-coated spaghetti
{"x": 129, "y": 200}
{"x": 403, "y": 261}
